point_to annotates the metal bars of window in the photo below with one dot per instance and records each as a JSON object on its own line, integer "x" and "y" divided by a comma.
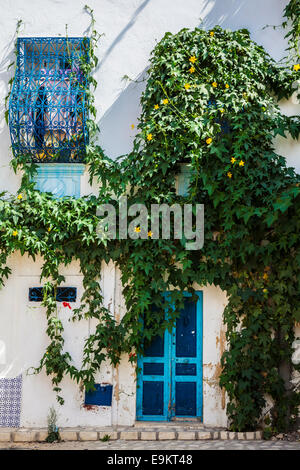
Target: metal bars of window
{"x": 48, "y": 102}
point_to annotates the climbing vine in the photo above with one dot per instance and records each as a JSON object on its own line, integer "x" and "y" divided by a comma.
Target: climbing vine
{"x": 292, "y": 15}
{"x": 210, "y": 101}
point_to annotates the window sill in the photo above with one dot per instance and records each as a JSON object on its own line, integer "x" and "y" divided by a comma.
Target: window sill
{"x": 60, "y": 179}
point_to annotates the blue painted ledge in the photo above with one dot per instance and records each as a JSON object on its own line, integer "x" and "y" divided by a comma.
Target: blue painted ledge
{"x": 184, "y": 178}
{"x": 60, "y": 179}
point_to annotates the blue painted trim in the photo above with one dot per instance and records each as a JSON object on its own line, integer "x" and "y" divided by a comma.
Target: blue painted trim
{"x": 60, "y": 179}
{"x": 60, "y": 169}
{"x": 184, "y": 178}
{"x": 169, "y": 361}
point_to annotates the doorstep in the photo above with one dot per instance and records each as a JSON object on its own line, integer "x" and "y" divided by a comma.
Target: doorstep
{"x": 176, "y": 423}
{"x": 145, "y": 432}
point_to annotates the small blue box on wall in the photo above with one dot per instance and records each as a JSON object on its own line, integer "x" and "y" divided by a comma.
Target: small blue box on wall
{"x": 102, "y": 396}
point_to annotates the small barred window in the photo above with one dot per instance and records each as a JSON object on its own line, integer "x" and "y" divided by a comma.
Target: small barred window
{"x": 63, "y": 294}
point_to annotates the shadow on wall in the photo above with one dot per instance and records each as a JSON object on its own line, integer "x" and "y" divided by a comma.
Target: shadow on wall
{"x": 118, "y": 119}
{"x": 7, "y": 57}
{"x": 221, "y": 12}
{"x": 253, "y": 15}
{"x": 116, "y": 134}
{"x": 5, "y": 75}
{"x": 124, "y": 31}
{"x": 229, "y": 13}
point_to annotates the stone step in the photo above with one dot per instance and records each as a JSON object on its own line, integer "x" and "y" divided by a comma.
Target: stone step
{"x": 123, "y": 433}
{"x": 195, "y": 424}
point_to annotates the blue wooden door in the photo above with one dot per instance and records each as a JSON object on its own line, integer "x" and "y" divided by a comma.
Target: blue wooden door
{"x": 170, "y": 381}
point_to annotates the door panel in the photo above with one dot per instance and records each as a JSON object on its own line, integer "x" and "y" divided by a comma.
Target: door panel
{"x": 170, "y": 381}
{"x": 153, "y": 383}
{"x": 185, "y": 369}
{"x": 153, "y": 368}
{"x": 153, "y": 398}
{"x": 155, "y": 348}
{"x": 185, "y": 399}
{"x": 186, "y": 331}
{"x": 187, "y": 360}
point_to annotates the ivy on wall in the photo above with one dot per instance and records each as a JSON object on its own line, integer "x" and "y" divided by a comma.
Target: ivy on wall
{"x": 210, "y": 101}
{"x": 292, "y": 16}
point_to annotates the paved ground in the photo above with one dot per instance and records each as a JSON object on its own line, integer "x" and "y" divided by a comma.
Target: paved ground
{"x": 162, "y": 445}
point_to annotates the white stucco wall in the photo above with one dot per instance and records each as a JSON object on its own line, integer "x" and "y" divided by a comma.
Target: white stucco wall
{"x": 131, "y": 29}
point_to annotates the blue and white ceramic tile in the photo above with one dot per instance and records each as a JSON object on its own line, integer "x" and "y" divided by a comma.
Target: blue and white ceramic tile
{"x": 10, "y": 402}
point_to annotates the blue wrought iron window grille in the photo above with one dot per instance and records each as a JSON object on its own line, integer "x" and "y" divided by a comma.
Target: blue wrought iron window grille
{"x": 48, "y": 104}
{"x": 63, "y": 294}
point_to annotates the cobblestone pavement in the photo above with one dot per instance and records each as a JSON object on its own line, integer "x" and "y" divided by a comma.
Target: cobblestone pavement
{"x": 162, "y": 445}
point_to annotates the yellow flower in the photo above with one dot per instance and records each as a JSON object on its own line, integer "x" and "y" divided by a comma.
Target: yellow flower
{"x": 192, "y": 59}
{"x": 156, "y": 106}
{"x": 229, "y": 174}
{"x": 265, "y": 291}
{"x": 41, "y": 156}
{"x": 132, "y": 126}
{"x": 192, "y": 69}
{"x": 165, "y": 101}
{"x": 20, "y": 196}
{"x": 211, "y": 33}
{"x": 137, "y": 229}
{"x": 149, "y": 137}
{"x": 242, "y": 163}
{"x": 187, "y": 86}
{"x": 226, "y": 86}
{"x": 265, "y": 276}
{"x": 49, "y": 229}
{"x": 150, "y": 234}
{"x": 296, "y": 67}
{"x": 209, "y": 140}
{"x": 222, "y": 110}
{"x": 233, "y": 160}
{"x": 15, "y": 233}
{"x": 214, "y": 84}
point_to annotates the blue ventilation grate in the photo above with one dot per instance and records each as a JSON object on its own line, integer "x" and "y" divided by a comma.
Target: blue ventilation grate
{"x": 63, "y": 294}
{"x": 48, "y": 102}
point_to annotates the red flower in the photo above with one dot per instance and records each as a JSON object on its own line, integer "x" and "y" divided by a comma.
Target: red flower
{"x": 66, "y": 304}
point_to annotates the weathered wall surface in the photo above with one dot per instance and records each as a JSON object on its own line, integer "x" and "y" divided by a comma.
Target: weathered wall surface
{"x": 131, "y": 29}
